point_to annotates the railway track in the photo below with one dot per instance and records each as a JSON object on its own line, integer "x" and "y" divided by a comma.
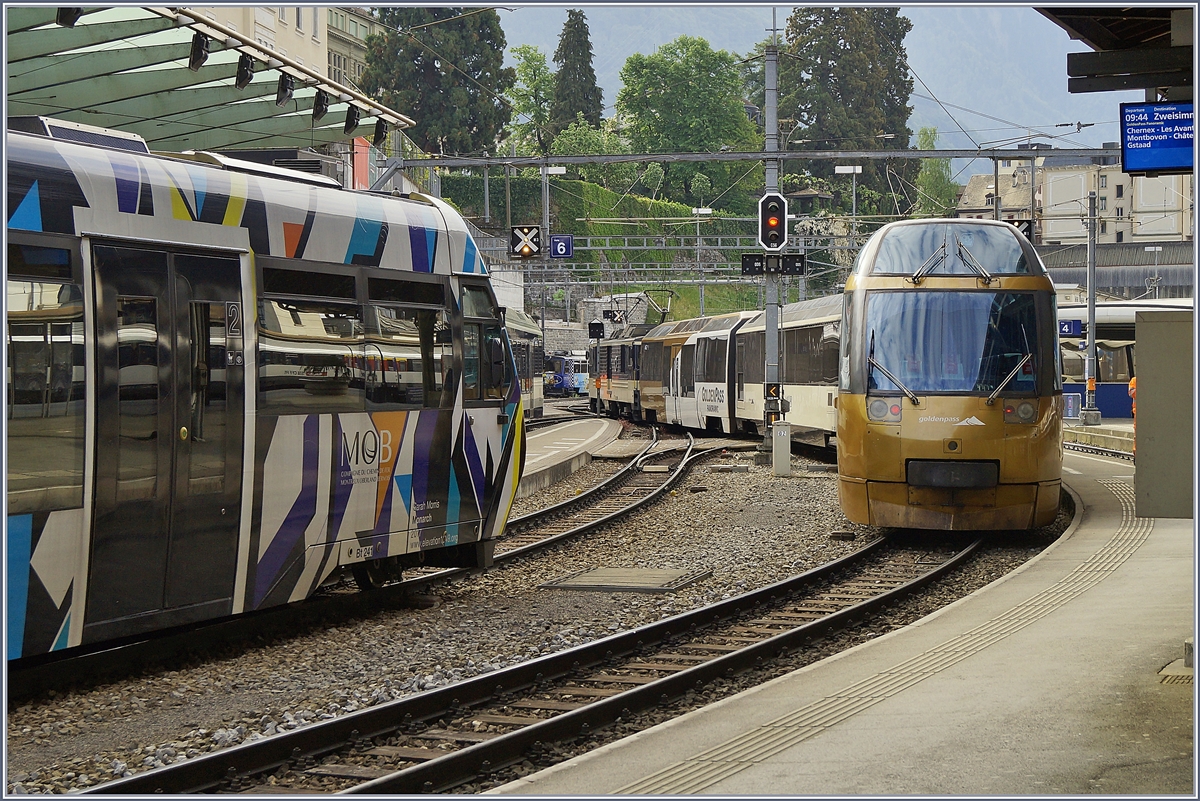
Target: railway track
{"x": 1076, "y": 446}
{"x": 621, "y": 494}
{"x": 439, "y": 740}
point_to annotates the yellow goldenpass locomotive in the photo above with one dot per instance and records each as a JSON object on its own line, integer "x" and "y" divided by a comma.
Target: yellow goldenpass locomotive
{"x": 949, "y": 388}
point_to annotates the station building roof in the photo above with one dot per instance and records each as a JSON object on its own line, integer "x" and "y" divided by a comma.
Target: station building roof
{"x": 127, "y": 68}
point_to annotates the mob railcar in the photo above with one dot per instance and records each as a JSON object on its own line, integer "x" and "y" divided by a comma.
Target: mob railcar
{"x": 950, "y": 404}
{"x": 228, "y": 382}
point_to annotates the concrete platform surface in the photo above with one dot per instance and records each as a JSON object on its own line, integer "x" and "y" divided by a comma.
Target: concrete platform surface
{"x": 1047, "y": 681}
{"x": 554, "y": 452}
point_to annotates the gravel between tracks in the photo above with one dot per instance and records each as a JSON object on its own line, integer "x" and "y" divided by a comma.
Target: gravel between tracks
{"x": 748, "y": 528}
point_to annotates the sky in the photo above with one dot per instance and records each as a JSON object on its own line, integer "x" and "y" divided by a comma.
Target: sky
{"x": 1004, "y": 66}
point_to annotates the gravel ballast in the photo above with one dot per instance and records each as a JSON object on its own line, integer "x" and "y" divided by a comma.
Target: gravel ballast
{"x": 749, "y": 529}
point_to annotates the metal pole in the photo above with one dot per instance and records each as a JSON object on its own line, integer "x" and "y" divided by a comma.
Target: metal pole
{"x": 487, "y": 197}
{"x": 698, "y": 267}
{"x": 780, "y": 464}
{"x": 1090, "y": 415}
{"x": 854, "y": 205}
{"x": 545, "y": 242}
{"x": 1033, "y": 197}
{"x": 996, "y": 188}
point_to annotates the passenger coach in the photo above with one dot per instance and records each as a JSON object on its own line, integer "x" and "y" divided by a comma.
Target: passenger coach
{"x": 950, "y": 394}
{"x": 227, "y": 381}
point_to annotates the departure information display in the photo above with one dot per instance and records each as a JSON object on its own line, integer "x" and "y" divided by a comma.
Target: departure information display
{"x": 1156, "y": 138}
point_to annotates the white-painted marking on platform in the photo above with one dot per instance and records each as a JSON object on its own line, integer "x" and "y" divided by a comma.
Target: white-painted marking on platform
{"x": 1072, "y": 472}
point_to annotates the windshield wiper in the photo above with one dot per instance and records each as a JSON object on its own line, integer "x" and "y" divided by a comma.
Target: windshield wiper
{"x": 908, "y": 392}
{"x": 992, "y": 398}
{"x": 972, "y": 262}
{"x": 931, "y": 263}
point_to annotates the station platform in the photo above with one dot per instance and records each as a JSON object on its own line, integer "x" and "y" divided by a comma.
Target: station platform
{"x": 1066, "y": 676}
{"x": 554, "y": 452}
{"x": 1115, "y": 434}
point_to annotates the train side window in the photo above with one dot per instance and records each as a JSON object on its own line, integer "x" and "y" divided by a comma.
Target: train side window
{"x": 486, "y": 373}
{"x": 408, "y": 354}
{"x": 46, "y": 397}
{"x": 687, "y": 375}
{"x": 278, "y": 281}
{"x": 406, "y": 361}
{"x": 476, "y": 302}
{"x": 209, "y": 402}
{"x": 137, "y": 397}
{"x": 310, "y": 357}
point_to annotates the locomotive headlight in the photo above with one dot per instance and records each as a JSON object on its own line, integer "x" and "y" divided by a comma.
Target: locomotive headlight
{"x": 1020, "y": 412}
{"x": 882, "y": 410}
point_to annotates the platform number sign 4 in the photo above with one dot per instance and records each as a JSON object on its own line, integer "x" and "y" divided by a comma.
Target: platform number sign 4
{"x": 1070, "y": 328}
{"x": 562, "y": 246}
{"x": 525, "y": 241}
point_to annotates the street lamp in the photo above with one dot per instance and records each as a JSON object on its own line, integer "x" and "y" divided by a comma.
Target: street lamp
{"x": 706, "y": 211}
{"x": 853, "y": 171}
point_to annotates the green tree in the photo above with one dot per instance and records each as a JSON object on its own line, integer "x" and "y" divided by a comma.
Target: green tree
{"x": 845, "y": 83}
{"x": 575, "y": 89}
{"x": 687, "y": 97}
{"x": 652, "y": 178}
{"x": 532, "y": 95}
{"x": 582, "y": 139}
{"x": 448, "y": 76}
{"x": 937, "y": 193}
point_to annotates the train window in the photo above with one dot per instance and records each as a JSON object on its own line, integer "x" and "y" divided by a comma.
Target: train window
{"x": 652, "y": 361}
{"x": 802, "y": 357}
{"x": 137, "y": 397}
{"x": 714, "y": 361}
{"x": 476, "y": 302}
{"x": 39, "y": 262}
{"x": 405, "y": 362}
{"x": 1072, "y": 362}
{"x": 309, "y": 357}
{"x": 422, "y": 292}
{"x": 277, "y": 281}
{"x": 486, "y": 373}
{"x": 952, "y": 341}
{"x": 206, "y": 468}
{"x": 754, "y": 364}
{"x": 687, "y": 376}
{"x": 1112, "y": 362}
{"x": 45, "y": 395}
{"x": 951, "y": 249}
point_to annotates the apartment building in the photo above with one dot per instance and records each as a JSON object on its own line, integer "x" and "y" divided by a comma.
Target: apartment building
{"x": 298, "y": 32}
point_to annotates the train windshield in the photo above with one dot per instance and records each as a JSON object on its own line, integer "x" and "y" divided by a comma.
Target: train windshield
{"x": 959, "y": 342}
{"x": 951, "y": 249}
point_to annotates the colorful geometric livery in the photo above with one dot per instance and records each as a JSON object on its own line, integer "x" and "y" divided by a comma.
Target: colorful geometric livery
{"x": 227, "y": 382}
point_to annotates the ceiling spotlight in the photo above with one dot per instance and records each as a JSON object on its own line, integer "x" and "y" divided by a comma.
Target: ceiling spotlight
{"x": 287, "y": 85}
{"x": 199, "y": 52}
{"x": 245, "y": 71}
{"x": 320, "y": 105}
{"x": 67, "y": 17}
{"x": 381, "y": 132}
{"x": 353, "y": 115}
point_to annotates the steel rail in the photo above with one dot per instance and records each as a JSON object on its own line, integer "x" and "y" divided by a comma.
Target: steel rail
{"x": 1078, "y": 446}
{"x": 212, "y": 770}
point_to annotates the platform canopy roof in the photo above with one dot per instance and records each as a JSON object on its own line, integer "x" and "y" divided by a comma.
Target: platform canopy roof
{"x": 128, "y": 68}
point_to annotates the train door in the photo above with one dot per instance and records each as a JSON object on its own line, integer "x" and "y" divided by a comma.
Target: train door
{"x": 169, "y": 412}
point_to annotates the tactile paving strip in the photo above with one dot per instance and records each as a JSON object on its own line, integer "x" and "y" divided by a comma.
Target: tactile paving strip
{"x": 719, "y": 763}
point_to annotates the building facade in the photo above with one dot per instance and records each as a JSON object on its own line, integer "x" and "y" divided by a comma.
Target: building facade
{"x": 1053, "y": 190}
{"x": 298, "y": 32}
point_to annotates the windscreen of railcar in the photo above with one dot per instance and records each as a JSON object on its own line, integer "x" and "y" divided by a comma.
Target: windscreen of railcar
{"x": 950, "y": 248}
{"x": 952, "y": 342}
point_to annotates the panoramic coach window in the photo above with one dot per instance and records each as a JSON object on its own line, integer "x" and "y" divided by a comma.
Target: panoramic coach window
{"x": 45, "y": 381}
{"x": 309, "y": 357}
{"x": 951, "y": 249}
